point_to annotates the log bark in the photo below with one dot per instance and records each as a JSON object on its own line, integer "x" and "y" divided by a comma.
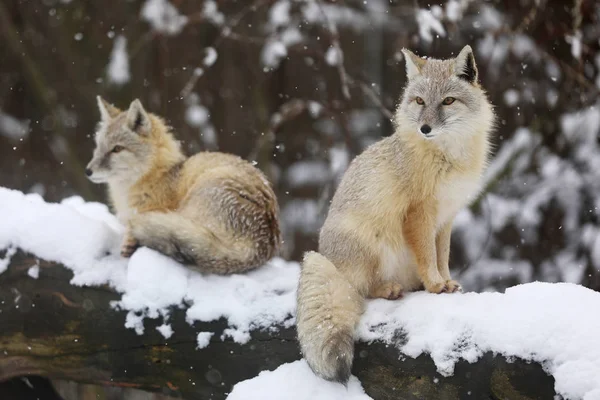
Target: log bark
{"x": 53, "y": 329}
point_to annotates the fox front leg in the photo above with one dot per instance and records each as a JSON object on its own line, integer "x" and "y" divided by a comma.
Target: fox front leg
{"x": 442, "y": 245}
{"x": 420, "y": 236}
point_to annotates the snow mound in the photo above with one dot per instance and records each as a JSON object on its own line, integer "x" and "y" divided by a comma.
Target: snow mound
{"x": 554, "y": 324}
{"x": 295, "y": 381}
{"x": 85, "y": 237}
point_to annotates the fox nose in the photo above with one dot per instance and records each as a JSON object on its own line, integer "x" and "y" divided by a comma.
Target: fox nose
{"x": 425, "y": 129}
{"x": 88, "y": 172}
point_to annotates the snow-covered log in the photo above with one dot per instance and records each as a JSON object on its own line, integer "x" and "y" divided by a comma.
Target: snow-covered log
{"x": 54, "y": 329}
{"x": 72, "y": 308}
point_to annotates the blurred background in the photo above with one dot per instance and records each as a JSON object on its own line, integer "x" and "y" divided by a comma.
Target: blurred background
{"x": 301, "y": 86}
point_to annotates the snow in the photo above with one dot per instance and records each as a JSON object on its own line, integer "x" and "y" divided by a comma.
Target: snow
{"x": 210, "y": 56}
{"x": 454, "y": 10}
{"x": 375, "y": 13}
{"x": 273, "y": 52}
{"x": 428, "y": 25}
{"x": 511, "y": 97}
{"x": 196, "y": 115}
{"x": 279, "y": 14}
{"x": 315, "y": 108}
{"x": 163, "y": 17}
{"x": 333, "y": 56}
{"x": 34, "y": 271}
{"x": 165, "y": 330}
{"x": 4, "y": 262}
{"x": 211, "y": 12}
{"x": 295, "y": 381}
{"x": 203, "y": 339}
{"x": 575, "y": 41}
{"x": 86, "y": 238}
{"x": 12, "y": 128}
{"x": 118, "y": 67}
{"x": 552, "y": 324}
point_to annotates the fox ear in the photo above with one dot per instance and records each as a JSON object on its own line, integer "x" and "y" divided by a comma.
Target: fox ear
{"x": 465, "y": 67}
{"x": 414, "y": 63}
{"x": 138, "y": 119}
{"x": 107, "y": 110}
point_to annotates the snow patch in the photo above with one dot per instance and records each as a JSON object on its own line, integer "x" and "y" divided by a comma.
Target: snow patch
{"x": 196, "y": 115}
{"x": 295, "y": 381}
{"x": 34, "y": 271}
{"x": 210, "y": 57}
{"x": 428, "y": 25}
{"x": 333, "y": 56}
{"x": 279, "y": 14}
{"x": 163, "y": 17}
{"x": 511, "y": 97}
{"x": 203, "y": 339}
{"x": 165, "y": 330}
{"x": 211, "y": 13}
{"x": 273, "y": 52}
{"x": 12, "y": 128}
{"x": 118, "y": 67}
{"x": 4, "y": 262}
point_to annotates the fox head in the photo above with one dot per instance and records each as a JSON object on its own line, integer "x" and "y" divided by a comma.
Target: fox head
{"x": 128, "y": 144}
{"x": 442, "y": 100}
{"x": 123, "y": 149}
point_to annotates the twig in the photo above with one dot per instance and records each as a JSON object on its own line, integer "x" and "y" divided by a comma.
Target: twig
{"x": 225, "y": 32}
{"x": 335, "y": 43}
{"x": 370, "y": 93}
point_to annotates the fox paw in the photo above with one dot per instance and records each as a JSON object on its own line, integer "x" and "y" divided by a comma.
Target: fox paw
{"x": 129, "y": 247}
{"x": 452, "y": 286}
{"x": 449, "y": 286}
{"x": 389, "y": 290}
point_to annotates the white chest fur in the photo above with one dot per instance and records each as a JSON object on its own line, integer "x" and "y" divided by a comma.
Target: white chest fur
{"x": 120, "y": 201}
{"x": 455, "y": 193}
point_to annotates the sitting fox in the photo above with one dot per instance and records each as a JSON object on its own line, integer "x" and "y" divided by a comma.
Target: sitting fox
{"x": 388, "y": 227}
{"x": 213, "y": 211}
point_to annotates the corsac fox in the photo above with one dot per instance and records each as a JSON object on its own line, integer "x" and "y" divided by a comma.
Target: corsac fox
{"x": 389, "y": 223}
{"x": 213, "y": 211}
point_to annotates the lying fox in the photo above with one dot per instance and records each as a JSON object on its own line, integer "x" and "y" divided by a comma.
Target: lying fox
{"x": 388, "y": 227}
{"x": 213, "y": 211}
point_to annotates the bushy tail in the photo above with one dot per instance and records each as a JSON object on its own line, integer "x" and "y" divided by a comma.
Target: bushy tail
{"x": 192, "y": 243}
{"x": 328, "y": 310}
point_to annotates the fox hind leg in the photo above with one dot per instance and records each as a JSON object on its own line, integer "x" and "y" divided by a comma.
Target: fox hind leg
{"x": 387, "y": 290}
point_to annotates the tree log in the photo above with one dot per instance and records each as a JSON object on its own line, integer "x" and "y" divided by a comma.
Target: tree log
{"x": 60, "y": 331}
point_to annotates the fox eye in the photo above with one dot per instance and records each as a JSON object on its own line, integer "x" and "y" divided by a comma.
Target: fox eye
{"x": 448, "y": 100}
{"x": 117, "y": 149}
{"x": 419, "y": 101}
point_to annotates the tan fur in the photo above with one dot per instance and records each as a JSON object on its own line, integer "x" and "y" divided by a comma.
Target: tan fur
{"x": 213, "y": 210}
{"x": 388, "y": 228}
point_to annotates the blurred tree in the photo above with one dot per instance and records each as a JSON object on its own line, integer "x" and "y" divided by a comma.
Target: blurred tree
{"x": 302, "y": 86}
